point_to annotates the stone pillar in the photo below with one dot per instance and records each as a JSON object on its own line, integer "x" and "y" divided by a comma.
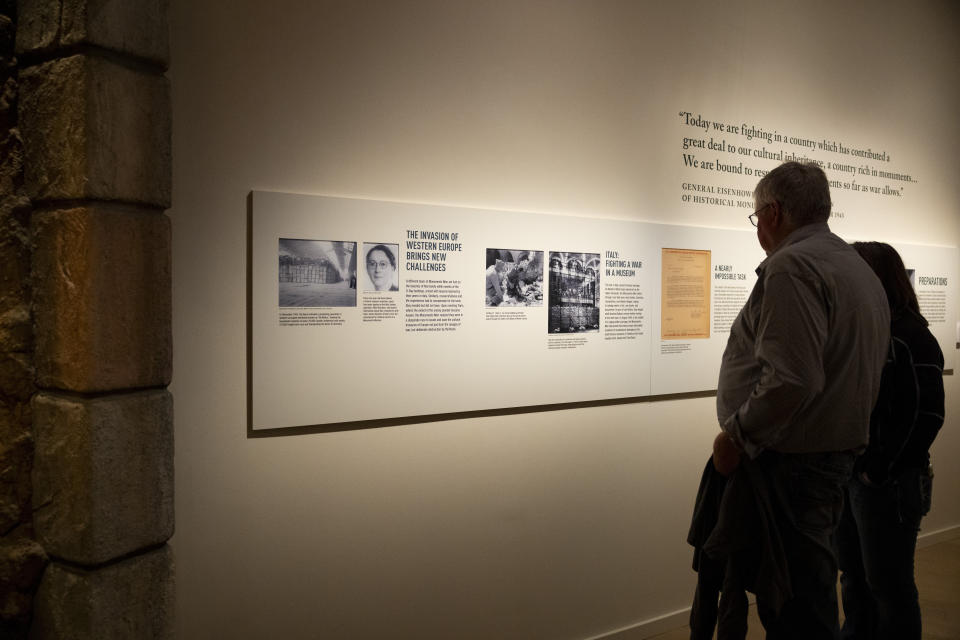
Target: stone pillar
{"x": 95, "y": 124}
{"x": 21, "y": 559}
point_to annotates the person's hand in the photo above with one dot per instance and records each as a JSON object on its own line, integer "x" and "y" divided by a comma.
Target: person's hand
{"x": 726, "y": 453}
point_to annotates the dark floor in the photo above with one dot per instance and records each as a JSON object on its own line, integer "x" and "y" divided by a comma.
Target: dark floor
{"x": 938, "y": 580}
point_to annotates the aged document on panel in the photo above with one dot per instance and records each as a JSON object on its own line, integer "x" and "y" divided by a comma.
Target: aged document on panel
{"x": 684, "y": 294}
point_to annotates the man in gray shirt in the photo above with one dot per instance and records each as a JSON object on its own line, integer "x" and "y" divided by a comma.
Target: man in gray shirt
{"x": 798, "y": 380}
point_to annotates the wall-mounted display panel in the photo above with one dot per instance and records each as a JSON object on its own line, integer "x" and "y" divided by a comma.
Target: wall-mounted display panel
{"x": 365, "y": 310}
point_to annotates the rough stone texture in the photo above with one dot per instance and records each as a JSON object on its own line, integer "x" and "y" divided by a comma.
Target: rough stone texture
{"x": 16, "y": 326}
{"x": 16, "y": 458}
{"x": 21, "y": 565}
{"x": 7, "y": 34}
{"x": 93, "y": 129}
{"x": 102, "y": 299}
{"x": 130, "y": 599}
{"x": 16, "y": 377}
{"x": 103, "y": 475}
{"x": 90, "y": 125}
{"x": 16, "y": 443}
{"x": 135, "y": 28}
{"x": 16, "y": 330}
{"x": 21, "y": 557}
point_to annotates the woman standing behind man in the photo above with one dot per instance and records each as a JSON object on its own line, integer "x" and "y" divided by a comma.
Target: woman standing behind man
{"x": 891, "y": 486}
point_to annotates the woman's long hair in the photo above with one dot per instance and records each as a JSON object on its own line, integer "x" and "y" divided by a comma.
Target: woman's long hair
{"x": 887, "y": 264}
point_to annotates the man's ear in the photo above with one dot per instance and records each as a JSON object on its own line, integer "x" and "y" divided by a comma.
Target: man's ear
{"x": 776, "y": 214}
{"x": 779, "y": 219}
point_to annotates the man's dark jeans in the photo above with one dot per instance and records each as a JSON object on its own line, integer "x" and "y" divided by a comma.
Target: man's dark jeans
{"x": 809, "y": 489}
{"x": 717, "y": 579}
{"x": 876, "y": 542}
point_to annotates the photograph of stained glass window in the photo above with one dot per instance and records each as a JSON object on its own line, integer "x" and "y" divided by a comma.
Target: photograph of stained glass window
{"x": 574, "y": 292}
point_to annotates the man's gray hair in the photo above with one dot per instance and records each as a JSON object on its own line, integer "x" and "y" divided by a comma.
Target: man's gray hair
{"x": 801, "y": 189}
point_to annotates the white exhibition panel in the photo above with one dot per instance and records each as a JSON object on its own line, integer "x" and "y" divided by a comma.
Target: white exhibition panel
{"x": 496, "y": 358}
{"x": 312, "y": 371}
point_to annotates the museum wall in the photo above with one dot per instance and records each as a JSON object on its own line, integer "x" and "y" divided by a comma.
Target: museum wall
{"x": 561, "y": 523}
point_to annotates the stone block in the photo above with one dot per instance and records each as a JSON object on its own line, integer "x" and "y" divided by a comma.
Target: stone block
{"x": 16, "y": 377}
{"x": 16, "y": 461}
{"x": 14, "y": 250}
{"x": 7, "y": 33}
{"x": 21, "y": 564}
{"x": 16, "y": 329}
{"x": 38, "y": 25}
{"x": 102, "y": 474}
{"x": 16, "y": 443}
{"x": 133, "y": 598}
{"x": 102, "y": 308}
{"x": 11, "y": 147}
{"x": 133, "y": 27}
{"x": 94, "y": 129}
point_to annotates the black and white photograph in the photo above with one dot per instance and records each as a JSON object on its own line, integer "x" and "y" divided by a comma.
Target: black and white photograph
{"x": 380, "y": 261}
{"x": 514, "y": 278}
{"x": 317, "y": 273}
{"x": 574, "y": 292}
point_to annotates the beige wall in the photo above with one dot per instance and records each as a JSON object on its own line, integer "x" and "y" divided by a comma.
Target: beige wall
{"x": 561, "y": 524}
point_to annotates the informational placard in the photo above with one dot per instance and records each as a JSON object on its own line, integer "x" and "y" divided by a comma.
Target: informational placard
{"x": 933, "y": 272}
{"x": 365, "y": 310}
